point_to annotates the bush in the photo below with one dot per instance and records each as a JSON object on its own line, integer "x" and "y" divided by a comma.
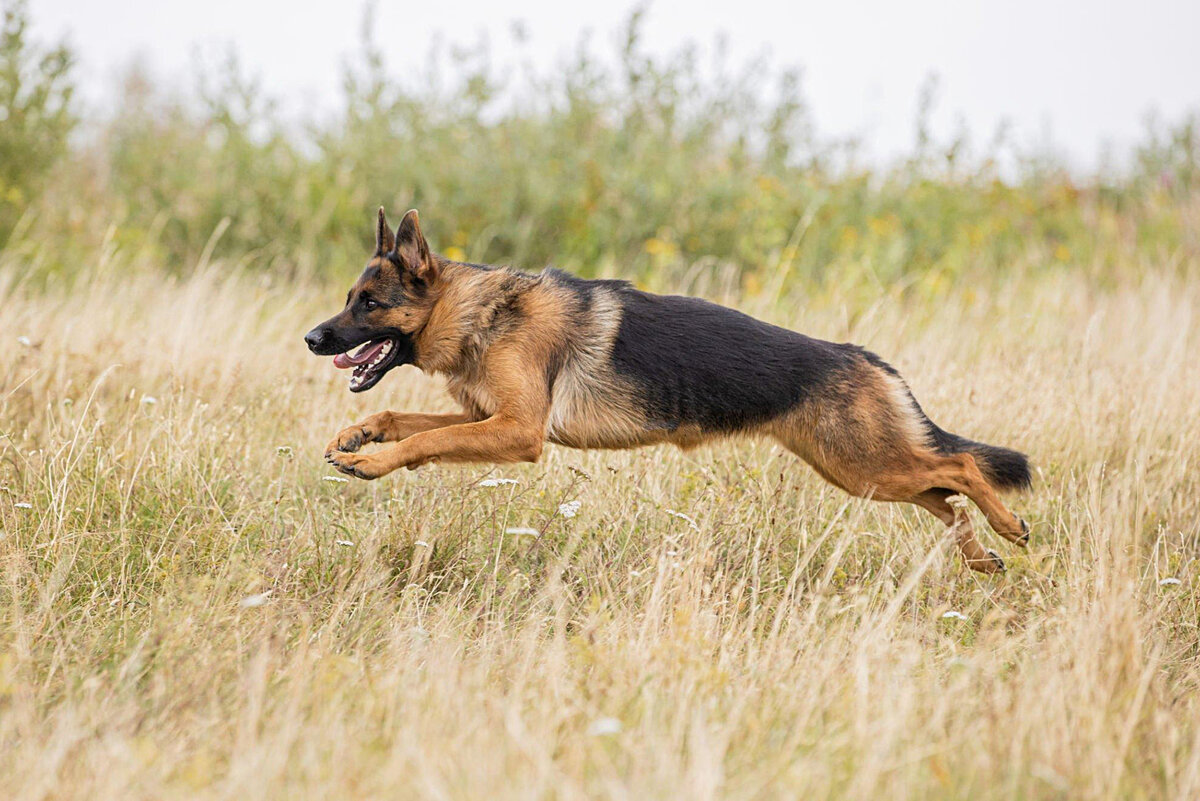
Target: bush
{"x": 635, "y": 165}
{"x": 35, "y": 115}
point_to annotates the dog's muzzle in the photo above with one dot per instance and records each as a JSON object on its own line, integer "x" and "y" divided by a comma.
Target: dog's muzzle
{"x": 321, "y": 341}
{"x": 378, "y": 352}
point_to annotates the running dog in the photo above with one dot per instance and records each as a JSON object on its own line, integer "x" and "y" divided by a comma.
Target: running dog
{"x": 600, "y": 364}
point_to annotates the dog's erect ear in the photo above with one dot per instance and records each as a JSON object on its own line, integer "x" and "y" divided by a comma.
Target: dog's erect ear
{"x": 384, "y": 241}
{"x": 412, "y": 248}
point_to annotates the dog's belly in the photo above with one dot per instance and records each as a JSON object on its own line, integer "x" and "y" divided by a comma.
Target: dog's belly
{"x": 582, "y": 414}
{"x": 594, "y": 436}
{"x": 586, "y": 413}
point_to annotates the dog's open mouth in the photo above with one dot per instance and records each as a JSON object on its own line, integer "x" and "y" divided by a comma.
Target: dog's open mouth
{"x": 370, "y": 362}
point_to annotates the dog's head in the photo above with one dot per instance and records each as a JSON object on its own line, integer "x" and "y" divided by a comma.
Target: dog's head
{"x": 385, "y": 309}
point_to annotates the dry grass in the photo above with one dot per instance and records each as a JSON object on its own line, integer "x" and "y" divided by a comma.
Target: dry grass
{"x": 791, "y": 642}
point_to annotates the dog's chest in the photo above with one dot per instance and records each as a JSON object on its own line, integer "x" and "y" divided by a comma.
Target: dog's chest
{"x": 474, "y": 396}
{"x": 586, "y": 410}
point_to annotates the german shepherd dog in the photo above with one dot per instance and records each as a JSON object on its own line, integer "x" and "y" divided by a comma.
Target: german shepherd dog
{"x": 600, "y": 364}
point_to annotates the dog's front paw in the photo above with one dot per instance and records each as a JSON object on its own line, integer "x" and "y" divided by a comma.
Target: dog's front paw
{"x": 360, "y": 466}
{"x": 349, "y": 440}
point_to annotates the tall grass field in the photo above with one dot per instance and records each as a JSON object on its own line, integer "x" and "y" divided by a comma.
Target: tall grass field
{"x": 194, "y": 605}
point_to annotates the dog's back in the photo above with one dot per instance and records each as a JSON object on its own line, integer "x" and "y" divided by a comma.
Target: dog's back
{"x": 692, "y": 362}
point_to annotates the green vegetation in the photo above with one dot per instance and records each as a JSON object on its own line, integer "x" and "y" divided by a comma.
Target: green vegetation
{"x": 35, "y": 116}
{"x": 639, "y": 168}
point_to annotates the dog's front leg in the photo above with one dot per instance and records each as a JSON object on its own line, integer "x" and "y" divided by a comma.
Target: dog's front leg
{"x": 497, "y": 439}
{"x": 515, "y": 433}
{"x": 389, "y": 427}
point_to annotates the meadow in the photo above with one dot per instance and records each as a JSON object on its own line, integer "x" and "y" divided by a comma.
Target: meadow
{"x": 195, "y": 605}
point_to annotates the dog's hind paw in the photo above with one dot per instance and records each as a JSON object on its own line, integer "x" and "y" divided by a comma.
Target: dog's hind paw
{"x": 991, "y": 563}
{"x": 998, "y": 562}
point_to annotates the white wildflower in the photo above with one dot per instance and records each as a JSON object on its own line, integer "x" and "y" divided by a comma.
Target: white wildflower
{"x": 953, "y": 615}
{"x": 23, "y": 505}
{"x": 258, "y": 599}
{"x": 497, "y": 482}
{"x": 283, "y": 450}
{"x": 149, "y": 400}
{"x": 1169, "y": 582}
{"x": 569, "y": 509}
{"x": 523, "y": 531}
{"x": 421, "y": 544}
{"x": 603, "y": 726}
{"x": 345, "y": 543}
{"x": 24, "y": 340}
{"x": 336, "y": 479}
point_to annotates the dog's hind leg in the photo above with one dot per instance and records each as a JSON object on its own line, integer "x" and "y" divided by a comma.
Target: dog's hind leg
{"x": 866, "y": 435}
{"x": 390, "y": 427}
{"x": 959, "y": 473}
{"x": 974, "y": 554}
{"x": 891, "y": 473}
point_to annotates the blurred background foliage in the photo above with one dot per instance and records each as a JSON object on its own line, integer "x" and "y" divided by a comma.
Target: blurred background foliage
{"x": 624, "y": 164}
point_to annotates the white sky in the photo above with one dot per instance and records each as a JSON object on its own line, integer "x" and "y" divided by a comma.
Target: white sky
{"x": 1086, "y": 71}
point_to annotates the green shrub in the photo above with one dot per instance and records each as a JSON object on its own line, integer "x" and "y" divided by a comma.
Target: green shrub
{"x": 636, "y": 165}
{"x": 35, "y": 115}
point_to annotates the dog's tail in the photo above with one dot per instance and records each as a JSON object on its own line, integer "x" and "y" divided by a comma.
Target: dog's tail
{"x": 1004, "y": 468}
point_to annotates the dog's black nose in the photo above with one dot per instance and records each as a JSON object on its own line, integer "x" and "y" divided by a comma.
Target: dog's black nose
{"x": 316, "y": 338}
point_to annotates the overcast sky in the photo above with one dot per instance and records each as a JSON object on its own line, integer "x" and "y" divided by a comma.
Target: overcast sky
{"x": 1086, "y": 71}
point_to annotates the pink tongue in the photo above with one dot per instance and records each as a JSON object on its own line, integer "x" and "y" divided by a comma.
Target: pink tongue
{"x": 364, "y": 355}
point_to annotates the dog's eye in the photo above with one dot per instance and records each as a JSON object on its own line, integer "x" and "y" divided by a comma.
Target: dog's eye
{"x": 370, "y": 305}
